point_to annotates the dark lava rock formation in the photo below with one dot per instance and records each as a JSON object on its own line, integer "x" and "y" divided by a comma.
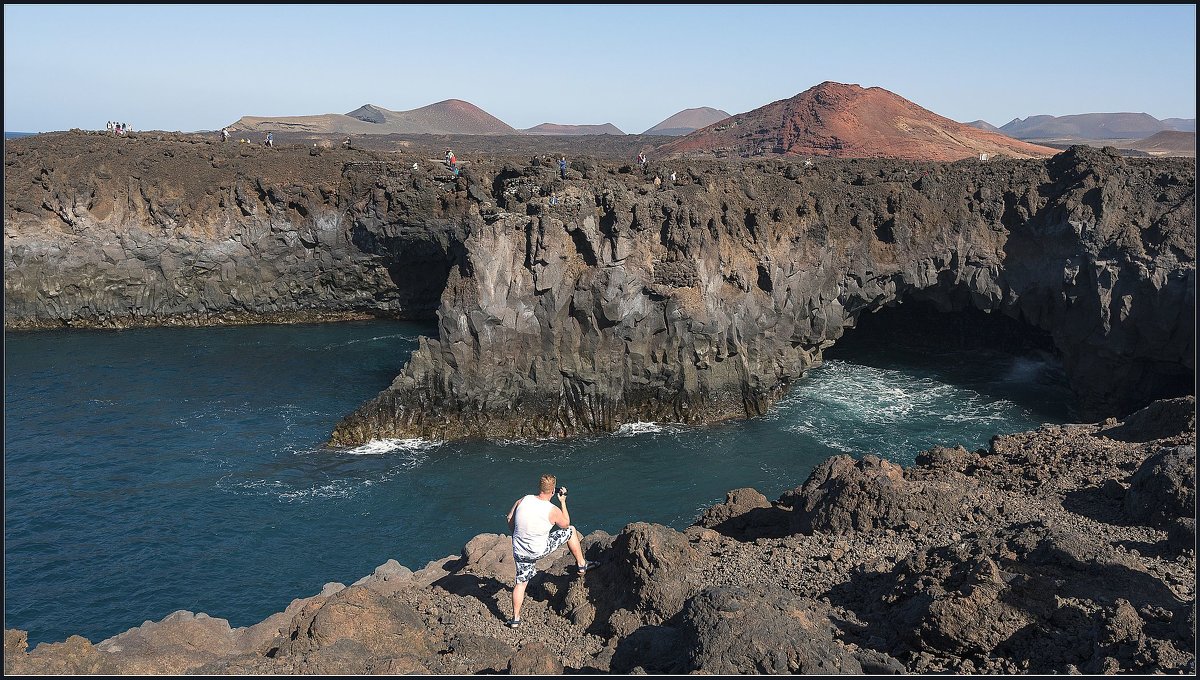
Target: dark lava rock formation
{"x": 1035, "y": 555}
{"x": 689, "y": 293}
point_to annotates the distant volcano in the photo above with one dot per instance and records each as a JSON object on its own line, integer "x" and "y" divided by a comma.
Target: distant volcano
{"x": 848, "y": 121}
{"x": 450, "y": 117}
{"x": 984, "y": 125}
{"x": 1091, "y": 126}
{"x": 688, "y": 121}
{"x": 556, "y": 129}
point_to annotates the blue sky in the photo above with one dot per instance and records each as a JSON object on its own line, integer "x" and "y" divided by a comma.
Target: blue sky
{"x": 200, "y": 67}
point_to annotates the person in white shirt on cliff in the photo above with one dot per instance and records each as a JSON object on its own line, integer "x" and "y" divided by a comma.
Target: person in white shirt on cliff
{"x": 538, "y": 529}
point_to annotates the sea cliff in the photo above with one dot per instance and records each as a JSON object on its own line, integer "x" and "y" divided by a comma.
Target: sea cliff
{"x": 686, "y": 293}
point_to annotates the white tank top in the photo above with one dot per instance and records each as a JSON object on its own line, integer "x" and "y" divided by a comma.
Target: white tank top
{"x": 531, "y": 526}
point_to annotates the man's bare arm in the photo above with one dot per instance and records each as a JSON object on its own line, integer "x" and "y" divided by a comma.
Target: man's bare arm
{"x": 513, "y": 512}
{"x": 561, "y": 517}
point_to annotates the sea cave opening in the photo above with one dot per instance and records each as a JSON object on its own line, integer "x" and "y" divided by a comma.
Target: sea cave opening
{"x": 988, "y": 354}
{"x": 418, "y": 263}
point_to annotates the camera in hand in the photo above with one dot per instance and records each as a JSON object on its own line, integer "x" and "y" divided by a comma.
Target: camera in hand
{"x": 562, "y": 491}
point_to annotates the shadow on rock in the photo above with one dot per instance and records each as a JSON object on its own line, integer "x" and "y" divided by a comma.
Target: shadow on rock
{"x": 652, "y": 649}
{"x": 481, "y": 588}
{"x": 747, "y": 515}
{"x": 1160, "y": 420}
{"x": 1102, "y": 503}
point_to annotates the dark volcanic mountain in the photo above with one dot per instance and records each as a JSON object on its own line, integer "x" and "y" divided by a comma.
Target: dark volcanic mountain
{"x": 688, "y": 121}
{"x": 1091, "y": 126}
{"x": 453, "y": 116}
{"x": 848, "y": 121}
{"x": 556, "y": 129}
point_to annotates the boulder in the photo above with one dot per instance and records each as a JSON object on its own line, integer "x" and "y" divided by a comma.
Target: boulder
{"x": 388, "y": 578}
{"x": 732, "y": 630}
{"x": 1159, "y": 420}
{"x": 871, "y": 494}
{"x": 1164, "y": 488}
{"x": 645, "y": 578}
{"x": 381, "y": 627}
{"x": 746, "y": 515}
{"x": 74, "y": 656}
{"x": 535, "y": 658}
{"x": 180, "y": 642}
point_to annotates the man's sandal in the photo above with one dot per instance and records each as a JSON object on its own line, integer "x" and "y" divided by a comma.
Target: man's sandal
{"x": 513, "y": 623}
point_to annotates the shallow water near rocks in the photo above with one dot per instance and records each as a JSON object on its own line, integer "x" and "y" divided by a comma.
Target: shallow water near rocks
{"x": 153, "y": 470}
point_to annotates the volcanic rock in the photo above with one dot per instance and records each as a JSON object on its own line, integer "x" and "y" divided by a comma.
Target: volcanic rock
{"x": 1164, "y": 488}
{"x": 736, "y": 631}
{"x": 843, "y": 495}
{"x": 693, "y": 300}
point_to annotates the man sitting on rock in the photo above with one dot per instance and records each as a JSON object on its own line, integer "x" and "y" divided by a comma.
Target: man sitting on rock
{"x": 538, "y": 529}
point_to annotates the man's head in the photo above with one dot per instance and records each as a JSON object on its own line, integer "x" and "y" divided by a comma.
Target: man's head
{"x": 546, "y": 485}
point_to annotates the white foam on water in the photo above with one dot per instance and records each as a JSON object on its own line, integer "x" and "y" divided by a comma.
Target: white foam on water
{"x": 251, "y": 487}
{"x": 379, "y": 447}
{"x": 397, "y": 455}
{"x": 634, "y": 429}
{"x": 338, "y": 488}
{"x": 862, "y": 409}
{"x": 520, "y": 442}
{"x": 404, "y": 336}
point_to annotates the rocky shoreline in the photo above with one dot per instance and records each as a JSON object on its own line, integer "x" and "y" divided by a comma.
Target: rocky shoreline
{"x": 691, "y": 292}
{"x": 1068, "y": 549}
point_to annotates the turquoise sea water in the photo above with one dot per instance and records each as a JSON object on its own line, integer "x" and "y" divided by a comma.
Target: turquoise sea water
{"x": 153, "y": 470}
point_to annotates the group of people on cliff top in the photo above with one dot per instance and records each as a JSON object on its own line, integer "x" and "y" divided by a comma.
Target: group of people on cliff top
{"x": 118, "y": 129}
{"x": 268, "y": 141}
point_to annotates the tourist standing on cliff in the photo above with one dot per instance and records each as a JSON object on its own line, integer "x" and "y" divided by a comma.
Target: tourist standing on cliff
{"x": 270, "y": 140}
{"x": 562, "y": 167}
{"x": 538, "y": 529}
{"x": 224, "y": 134}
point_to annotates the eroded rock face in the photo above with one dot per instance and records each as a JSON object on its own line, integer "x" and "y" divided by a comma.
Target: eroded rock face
{"x": 706, "y": 298}
{"x": 179, "y": 230}
{"x": 690, "y": 300}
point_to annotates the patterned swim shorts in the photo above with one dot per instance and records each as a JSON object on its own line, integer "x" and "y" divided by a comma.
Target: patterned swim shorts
{"x": 525, "y": 568}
